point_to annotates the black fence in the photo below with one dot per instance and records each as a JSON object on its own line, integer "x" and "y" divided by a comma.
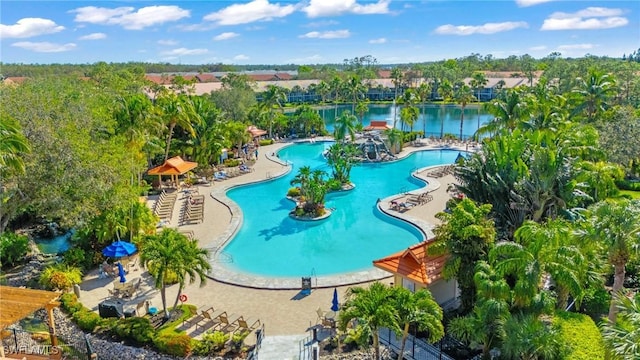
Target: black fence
{"x": 414, "y": 348}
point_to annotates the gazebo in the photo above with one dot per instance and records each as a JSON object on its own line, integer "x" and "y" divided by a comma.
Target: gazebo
{"x": 173, "y": 167}
{"x": 18, "y": 303}
{"x": 255, "y": 132}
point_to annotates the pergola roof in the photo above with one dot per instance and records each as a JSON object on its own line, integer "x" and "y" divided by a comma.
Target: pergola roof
{"x": 173, "y": 166}
{"x": 255, "y": 132}
{"x": 18, "y": 303}
{"x": 415, "y": 264}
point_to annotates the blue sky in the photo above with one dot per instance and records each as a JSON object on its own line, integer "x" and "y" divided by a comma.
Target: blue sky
{"x": 311, "y": 31}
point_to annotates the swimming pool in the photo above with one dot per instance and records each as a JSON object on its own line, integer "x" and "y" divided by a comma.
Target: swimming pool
{"x": 270, "y": 243}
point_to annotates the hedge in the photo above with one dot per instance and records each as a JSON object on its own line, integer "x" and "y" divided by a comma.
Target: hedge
{"x": 581, "y": 334}
{"x": 628, "y": 185}
{"x": 174, "y": 344}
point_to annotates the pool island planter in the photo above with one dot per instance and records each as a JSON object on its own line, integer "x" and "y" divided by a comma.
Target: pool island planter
{"x": 306, "y": 217}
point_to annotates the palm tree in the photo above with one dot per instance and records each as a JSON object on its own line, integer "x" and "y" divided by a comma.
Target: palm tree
{"x": 323, "y": 90}
{"x": 478, "y": 82}
{"x": 623, "y": 336}
{"x": 274, "y": 96}
{"x": 170, "y": 252}
{"x": 345, "y": 124}
{"x": 362, "y": 107}
{"x": 466, "y": 234}
{"x": 409, "y": 113}
{"x": 417, "y": 308}
{"x": 508, "y": 111}
{"x": 397, "y": 76}
{"x": 528, "y": 337}
{"x": 373, "y": 308}
{"x": 446, "y": 92}
{"x": 615, "y": 226}
{"x": 394, "y": 139}
{"x": 341, "y": 157}
{"x": 593, "y": 93}
{"x": 210, "y": 132}
{"x": 463, "y": 95}
{"x": 356, "y": 89}
{"x": 177, "y": 111}
{"x": 538, "y": 250}
{"x": 336, "y": 85}
{"x": 424, "y": 93}
{"x": 13, "y": 145}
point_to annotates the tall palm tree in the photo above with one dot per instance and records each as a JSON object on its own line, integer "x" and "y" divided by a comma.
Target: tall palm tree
{"x": 274, "y": 97}
{"x": 615, "y": 226}
{"x": 508, "y": 109}
{"x": 445, "y": 90}
{"x": 397, "y": 76}
{"x": 477, "y": 82}
{"x": 394, "y": 139}
{"x": 623, "y": 337}
{"x": 345, "y": 124}
{"x": 463, "y": 95}
{"x": 409, "y": 113}
{"x": 418, "y": 308}
{"x": 362, "y": 108}
{"x": 424, "y": 93}
{"x": 170, "y": 252}
{"x": 336, "y": 85}
{"x": 210, "y": 132}
{"x": 177, "y": 111}
{"x": 373, "y": 308}
{"x": 323, "y": 90}
{"x": 594, "y": 93}
{"x": 356, "y": 89}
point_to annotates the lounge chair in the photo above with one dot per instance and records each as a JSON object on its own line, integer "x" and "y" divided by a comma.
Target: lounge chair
{"x": 207, "y": 321}
{"x": 227, "y": 326}
{"x": 245, "y": 169}
{"x": 247, "y": 324}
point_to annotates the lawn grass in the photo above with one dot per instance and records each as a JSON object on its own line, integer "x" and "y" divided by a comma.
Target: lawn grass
{"x": 633, "y": 194}
{"x": 187, "y": 312}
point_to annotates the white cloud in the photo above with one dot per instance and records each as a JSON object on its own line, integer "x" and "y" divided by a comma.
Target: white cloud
{"x": 94, "y": 36}
{"x": 128, "y": 18}
{"x": 45, "y": 47}
{"x": 256, "y": 10}
{"x": 318, "y": 8}
{"x": 167, "y": 42}
{"x": 225, "y": 36}
{"x": 241, "y": 57}
{"x": 336, "y": 34}
{"x": 538, "y": 48}
{"x": 591, "y": 18}
{"x": 378, "y": 41}
{"x": 184, "y": 52}
{"x": 488, "y": 28}
{"x": 576, "y": 47}
{"x": 527, "y": 3}
{"x": 317, "y": 24}
{"x": 29, "y": 27}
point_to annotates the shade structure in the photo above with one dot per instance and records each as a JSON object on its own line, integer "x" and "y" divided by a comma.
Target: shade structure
{"x": 255, "y": 132}
{"x": 123, "y": 279}
{"x": 459, "y": 159}
{"x": 173, "y": 167}
{"x": 335, "y": 306}
{"x": 119, "y": 249}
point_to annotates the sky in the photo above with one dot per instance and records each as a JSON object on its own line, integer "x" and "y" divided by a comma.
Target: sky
{"x": 311, "y": 31}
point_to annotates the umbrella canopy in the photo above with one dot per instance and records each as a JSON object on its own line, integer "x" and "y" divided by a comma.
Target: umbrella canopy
{"x": 119, "y": 249}
{"x": 335, "y": 306}
{"x": 121, "y": 273}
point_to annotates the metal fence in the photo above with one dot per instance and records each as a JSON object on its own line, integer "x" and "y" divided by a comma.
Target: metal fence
{"x": 253, "y": 354}
{"x": 16, "y": 341}
{"x": 414, "y": 349}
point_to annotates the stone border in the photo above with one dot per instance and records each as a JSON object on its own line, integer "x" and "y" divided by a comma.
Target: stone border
{"x": 228, "y": 275}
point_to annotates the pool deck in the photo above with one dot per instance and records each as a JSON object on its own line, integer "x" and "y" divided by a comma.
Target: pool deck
{"x": 278, "y": 303}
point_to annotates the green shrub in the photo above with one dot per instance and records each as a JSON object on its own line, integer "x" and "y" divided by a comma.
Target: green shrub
{"x": 13, "y": 248}
{"x": 87, "y": 320}
{"x": 581, "y": 334}
{"x": 266, "y": 142}
{"x": 70, "y": 303}
{"x": 138, "y": 329}
{"x": 173, "y": 344}
{"x": 77, "y": 257}
{"x": 60, "y": 277}
{"x": 293, "y": 192}
{"x": 628, "y": 185}
{"x": 595, "y": 303}
{"x": 231, "y": 162}
{"x": 211, "y": 343}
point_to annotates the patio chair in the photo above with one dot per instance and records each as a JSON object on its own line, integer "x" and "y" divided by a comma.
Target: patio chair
{"x": 243, "y": 324}
{"x": 208, "y": 321}
{"x": 324, "y": 320}
{"x": 227, "y": 326}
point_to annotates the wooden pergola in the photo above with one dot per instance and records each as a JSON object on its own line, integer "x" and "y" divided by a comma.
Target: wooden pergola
{"x": 173, "y": 167}
{"x": 18, "y": 303}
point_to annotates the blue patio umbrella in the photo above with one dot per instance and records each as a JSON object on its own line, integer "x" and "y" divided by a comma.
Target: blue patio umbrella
{"x": 335, "y": 306}
{"x": 119, "y": 249}
{"x": 121, "y": 273}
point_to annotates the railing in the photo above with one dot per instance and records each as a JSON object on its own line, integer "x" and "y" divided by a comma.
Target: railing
{"x": 38, "y": 345}
{"x": 305, "y": 348}
{"x": 253, "y": 354}
{"x": 414, "y": 349}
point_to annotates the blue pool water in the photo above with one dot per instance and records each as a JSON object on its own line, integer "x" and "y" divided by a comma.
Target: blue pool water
{"x": 56, "y": 245}
{"x": 270, "y": 243}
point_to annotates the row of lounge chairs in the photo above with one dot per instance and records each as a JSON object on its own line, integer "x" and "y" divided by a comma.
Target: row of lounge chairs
{"x": 193, "y": 209}
{"x": 411, "y": 201}
{"x": 218, "y": 320}
{"x": 164, "y": 205}
{"x": 228, "y": 173}
{"x": 441, "y": 171}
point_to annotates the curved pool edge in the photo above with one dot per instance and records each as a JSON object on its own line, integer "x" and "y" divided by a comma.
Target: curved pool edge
{"x": 224, "y": 274}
